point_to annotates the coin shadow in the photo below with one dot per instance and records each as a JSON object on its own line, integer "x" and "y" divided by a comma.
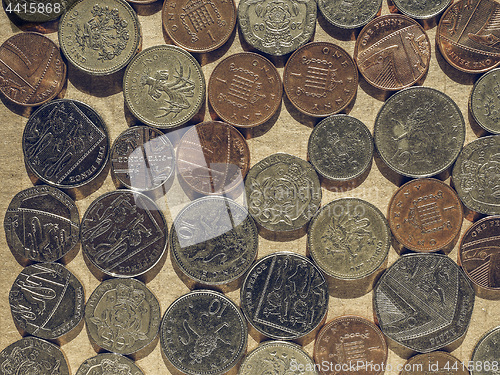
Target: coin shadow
{"x": 298, "y": 116}
{"x": 260, "y": 130}
{"x": 343, "y": 186}
{"x": 99, "y": 86}
{"x": 337, "y": 32}
{"x": 147, "y": 9}
{"x": 375, "y": 93}
{"x": 210, "y": 57}
{"x": 19, "y": 24}
{"x": 453, "y": 73}
{"x": 392, "y": 176}
{"x": 282, "y": 236}
{"x": 476, "y": 128}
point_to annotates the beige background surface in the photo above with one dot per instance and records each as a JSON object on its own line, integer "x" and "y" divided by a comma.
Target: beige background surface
{"x": 288, "y": 134}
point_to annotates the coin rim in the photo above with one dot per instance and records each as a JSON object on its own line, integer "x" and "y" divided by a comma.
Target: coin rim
{"x": 426, "y": 16}
{"x": 480, "y": 341}
{"x": 472, "y": 98}
{"x": 331, "y": 21}
{"x": 105, "y": 355}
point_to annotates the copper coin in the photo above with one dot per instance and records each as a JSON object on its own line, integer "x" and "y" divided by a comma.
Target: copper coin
{"x": 245, "y": 89}
{"x": 32, "y": 71}
{"x": 468, "y": 35}
{"x": 425, "y": 215}
{"x": 199, "y": 26}
{"x": 434, "y": 363}
{"x": 392, "y": 52}
{"x": 350, "y": 340}
{"x": 320, "y": 79}
{"x": 212, "y": 158}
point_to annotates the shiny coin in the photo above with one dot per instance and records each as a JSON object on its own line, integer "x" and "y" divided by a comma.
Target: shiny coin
{"x": 421, "y": 9}
{"x": 245, "y": 89}
{"x": 37, "y": 10}
{"x": 484, "y": 103}
{"x": 349, "y": 14}
{"x": 203, "y": 333}
{"x": 419, "y": 132}
{"x": 277, "y": 27}
{"x": 486, "y": 355}
{"x": 108, "y": 363}
{"x": 122, "y": 316}
{"x": 164, "y": 86}
{"x": 46, "y": 301}
{"x": 434, "y": 363}
{"x": 392, "y": 52}
{"x": 100, "y": 38}
{"x": 42, "y": 224}
{"x": 424, "y": 302}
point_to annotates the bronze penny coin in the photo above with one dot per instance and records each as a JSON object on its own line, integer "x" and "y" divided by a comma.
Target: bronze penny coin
{"x": 212, "y": 158}
{"x": 347, "y": 340}
{"x": 199, "y": 26}
{"x": 245, "y": 89}
{"x": 434, "y": 363}
{"x": 320, "y": 79}
{"x": 108, "y": 363}
{"x": 32, "y": 70}
{"x": 425, "y": 215}
{"x": 468, "y": 35}
{"x": 392, "y": 52}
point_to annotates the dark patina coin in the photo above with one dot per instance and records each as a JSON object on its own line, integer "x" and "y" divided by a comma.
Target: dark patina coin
{"x": 203, "y": 333}
{"x": 486, "y": 356}
{"x": 349, "y": 14}
{"x": 421, "y": 9}
{"x": 123, "y": 234}
{"x": 484, "y": 103}
{"x": 108, "y": 364}
{"x": 285, "y": 296}
{"x": 434, "y": 363}
{"x": 65, "y": 144}
{"x": 46, "y": 301}
{"x": 37, "y": 10}
{"x": 424, "y": 302}
{"x": 41, "y": 224}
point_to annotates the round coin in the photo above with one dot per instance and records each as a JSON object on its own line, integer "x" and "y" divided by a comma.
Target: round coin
{"x": 484, "y": 103}
{"x": 421, "y": 10}
{"x": 285, "y": 296}
{"x": 436, "y": 362}
{"x": 424, "y": 302}
{"x": 164, "y": 86}
{"x": 122, "y": 316}
{"x": 277, "y": 27}
{"x": 349, "y": 14}
{"x": 41, "y": 224}
{"x": 203, "y": 333}
{"x": 320, "y": 79}
{"x": 37, "y": 10}
{"x": 476, "y": 175}
{"x": 419, "y": 132}
{"x": 123, "y": 234}
{"x": 486, "y": 354}
{"x": 46, "y": 301}
{"x": 32, "y": 71}
{"x": 108, "y": 363}
{"x": 100, "y": 38}
{"x": 245, "y": 89}
{"x": 392, "y": 52}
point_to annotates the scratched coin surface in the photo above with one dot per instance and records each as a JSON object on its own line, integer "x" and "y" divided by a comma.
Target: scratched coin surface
{"x": 46, "y": 301}
{"x": 203, "y": 333}
{"x": 392, "y": 52}
{"x": 42, "y": 224}
{"x": 484, "y": 103}
{"x": 283, "y": 192}
{"x": 349, "y": 14}
{"x": 421, "y": 9}
{"x": 425, "y": 215}
{"x": 123, "y": 234}
{"x": 65, "y": 144}
{"x": 214, "y": 240}
{"x": 277, "y": 27}
{"x": 350, "y": 339}
{"x": 164, "y": 86}
{"x": 476, "y": 175}
{"x": 108, "y": 364}
{"x": 486, "y": 355}
{"x": 419, "y": 132}
{"x": 424, "y": 302}
{"x": 32, "y": 71}
{"x": 212, "y": 158}
{"x": 320, "y": 79}
{"x": 284, "y": 296}
{"x": 37, "y": 10}
{"x": 434, "y": 363}
{"x": 122, "y": 316}
{"x": 245, "y": 89}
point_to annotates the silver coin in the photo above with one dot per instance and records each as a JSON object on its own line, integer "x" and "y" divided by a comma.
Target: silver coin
{"x": 486, "y": 356}
{"x": 108, "y": 364}
{"x": 422, "y": 10}
{"x": 484, "y": 103}
{"x": 349, "y": 14}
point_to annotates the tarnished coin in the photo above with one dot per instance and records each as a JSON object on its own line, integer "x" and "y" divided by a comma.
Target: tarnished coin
{"x": 484, "y": 103}
{"x": 212, "y": 158}
{"x": 283, "y": 192}
{"x": 434, "y": 363}
{"x": 214, "y": 241}
{"x": 285, "y": 296}
{"x": 46, "y": 301}
{"x": 41, "y": 224}
{"x": 65, "y": 144}
{"x": 199, "y": 26}
{"x": 349, "y": 14}
{"x": 476, "y": 175}
{"x": 32, "y": 70}
{"x": 277, "y": 27}
{"x": 269, "y": 356}
{"x": 486, "y": 356}
{"x": 37, "y": 10}
{"x": 122, "y": 316}
{"x": 320, "y": 79}
{"x": 419, "y": 132}
{"x": 164, "y": 86}
{"x": 123, "y": 234}
{"x": 142, "y": 158}
{"x": 421, "y": 10}
{"x": 245, "y": 89}
{"x": 424, "y": 302}
{"x": 108, "y": 363}
{"x": 349, "y": 340}
{"x": 203, "y": 333}
{"x": 392, "y": 52}
{"x": 100, "y": 38}
{"x": 425, "y": 215}
{"x": 340, "y": 148}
